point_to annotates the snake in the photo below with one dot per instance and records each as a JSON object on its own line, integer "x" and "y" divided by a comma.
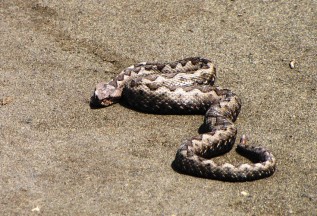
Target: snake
{"x": 186, "y": 86}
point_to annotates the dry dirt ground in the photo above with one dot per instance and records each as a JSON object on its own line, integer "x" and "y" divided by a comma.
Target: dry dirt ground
{"x": 59, "y": 157}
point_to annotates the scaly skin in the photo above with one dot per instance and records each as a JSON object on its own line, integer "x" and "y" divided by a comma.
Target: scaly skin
{"x": 182, "y": 87}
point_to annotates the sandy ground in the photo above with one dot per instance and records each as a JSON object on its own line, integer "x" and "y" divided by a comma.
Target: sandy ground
{"x": 59, "y": 157}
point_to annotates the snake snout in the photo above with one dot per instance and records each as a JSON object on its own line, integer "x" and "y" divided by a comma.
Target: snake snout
{"x": 99, "y": 99}
{"x": 95, "y": 102}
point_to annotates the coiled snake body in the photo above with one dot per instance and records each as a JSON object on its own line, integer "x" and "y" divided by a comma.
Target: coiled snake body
{"x": 186, "y": 86}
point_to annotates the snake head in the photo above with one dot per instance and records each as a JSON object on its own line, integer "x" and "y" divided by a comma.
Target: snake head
{"x": 105, "y": 95}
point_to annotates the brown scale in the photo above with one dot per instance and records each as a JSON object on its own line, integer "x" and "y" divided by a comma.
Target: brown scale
{"x": 128, "y": 72}
{"x": 173, "y": 65}
{"x": 160, "y": 67}
{"x": 148, "y": 67}
{"x": 120, "y": 77}
{"x": 136, "y": 70}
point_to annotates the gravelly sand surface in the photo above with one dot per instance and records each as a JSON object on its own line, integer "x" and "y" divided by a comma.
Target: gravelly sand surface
{"x": 58, "y": 156}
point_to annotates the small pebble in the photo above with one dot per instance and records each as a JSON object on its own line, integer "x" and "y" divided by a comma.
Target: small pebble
{"x": 36, "y": 209}
{"x": 244, "y": 193}
{"x": 292, "y": 64}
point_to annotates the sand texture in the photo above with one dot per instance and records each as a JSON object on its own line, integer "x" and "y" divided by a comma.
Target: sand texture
{"x": 60, "y": 157}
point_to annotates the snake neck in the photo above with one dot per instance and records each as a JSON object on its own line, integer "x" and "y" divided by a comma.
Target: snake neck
{"x": 106, "y": 94}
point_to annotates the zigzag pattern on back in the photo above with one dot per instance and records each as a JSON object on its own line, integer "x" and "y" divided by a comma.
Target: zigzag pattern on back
{"x": 183, "y": 87}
